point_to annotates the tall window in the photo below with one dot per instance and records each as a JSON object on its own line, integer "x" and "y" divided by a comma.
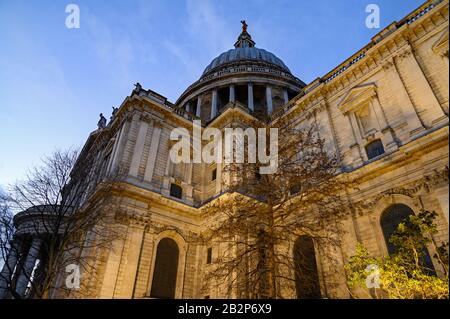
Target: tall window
{"x": 306, "y": 273}
{"x": 390, "y": 219}
{"x": 176, "y": 191}
{"x": 209, "y": 255}
{"x": 374, "y": 149}
{"x": 166, "y": 268}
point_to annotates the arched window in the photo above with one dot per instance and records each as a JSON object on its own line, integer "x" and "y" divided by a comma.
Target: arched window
{"x": 306, "y": 273}
{"x": 390, "y": 219}
{"x": 176, "y": 191}
{"x": 374, "y": 149}
{"x": 166, "y": 269}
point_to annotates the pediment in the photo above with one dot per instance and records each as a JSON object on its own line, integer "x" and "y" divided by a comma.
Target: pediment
{"x": 442, "y": 42}
{"x": 357, "y": 97}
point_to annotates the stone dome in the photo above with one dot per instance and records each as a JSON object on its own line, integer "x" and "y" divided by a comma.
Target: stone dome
{"x": 243, "y": 54}
{"x": 252, "y": 78}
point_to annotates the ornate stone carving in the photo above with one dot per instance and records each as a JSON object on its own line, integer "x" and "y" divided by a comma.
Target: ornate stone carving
{"x": 427, "y": 184}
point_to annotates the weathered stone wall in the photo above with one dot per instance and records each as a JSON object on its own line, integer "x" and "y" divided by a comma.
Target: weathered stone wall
{"x": 398, "y": 93}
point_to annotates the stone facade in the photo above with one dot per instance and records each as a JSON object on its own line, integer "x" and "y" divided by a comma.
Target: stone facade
{"x": 394, "y": 91}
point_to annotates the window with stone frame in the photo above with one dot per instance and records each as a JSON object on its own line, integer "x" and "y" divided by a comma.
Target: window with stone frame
{"x": 374, "y": 149}
{"x": 390, "y": 219}
{"x": 165, "y": 270}
{"x": 209, "y": 255}
{"x": 307, "y": 284}
{"x": 176, "y": 190}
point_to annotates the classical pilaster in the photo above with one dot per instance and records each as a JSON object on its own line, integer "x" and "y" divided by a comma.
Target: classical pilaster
{"x": 114, "y": 150}
{"x": 130, "y": 260}
{"x": 8, "y": 268}
{"x": 218, "y": 178}
{"x": 189, "y": 173}
{"x": 169, "y": 165}
{"x": 269, "y": 102}
{"x": 214, "y": 104}
{"x": 28, "y": 266}
{"x": 198, "y": 111}
{"x": 138, "y": 148}
{"x": 251, "y": 105}
{"x": 442, "y": 196}
{"x": 285, "y": 96}
{"x": 154, "y": 145}
{"x": 112, "y": 267}
{"x": 119, "y": 147}
{"x": 413, "y": 121}
{"x": 329, "y": 131}
{"x": 386, "y": 131}
{"x": 358, "y": 154}
{"x": 232, "y": 94}
{"x": 410, "y": 63}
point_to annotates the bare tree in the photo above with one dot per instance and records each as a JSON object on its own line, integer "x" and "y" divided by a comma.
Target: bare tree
{"x": 255, "y": 226}
{"x": 59, "y": 218}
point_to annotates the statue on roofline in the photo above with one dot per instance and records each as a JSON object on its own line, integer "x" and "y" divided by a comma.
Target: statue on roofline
{"x": 137, "y": 88}
{"x": 114, "y": 112}
{"x": 102, "y": 122}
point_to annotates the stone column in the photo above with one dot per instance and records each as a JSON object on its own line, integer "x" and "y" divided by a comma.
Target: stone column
{"x": 355, "y": 128}
{"x": 409, "y": 112}
{"x": 358, "y": 155}
{"x": 138, "y": 149}
{"x": 154, "y": 144}
{"x": 385, "y": 129}
{"x": 442, "y": 196}
{"x": 409, "y": 61}
{"x": 169, "y": 165}
{"x": 214, "y": 104}
{"x": 8, "y": 268}
{"x": 28, "y": 266}
{"x": 218, "y": 178}
{"x": 198, "y": 112}
{"x": 285, "y": 96}
{"x": 250, "y": 97}
{"x": 329, "y": 132}
{"x": 232, "y": 95}
{"x": 269, "y": 100}
{"x": 190, "y": 171}
{"x": 188, "y": 107}
{"x": 114, "y": 150}
{"x": 120, "y": 146}
{"x": 130, "y": 260}
{"x": 112, "y": 267}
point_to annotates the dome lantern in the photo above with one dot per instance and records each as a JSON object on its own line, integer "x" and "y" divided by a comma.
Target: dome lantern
{"x": 245, "y": 39}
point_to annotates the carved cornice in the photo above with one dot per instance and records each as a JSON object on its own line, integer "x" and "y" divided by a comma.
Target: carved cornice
{"x": 133, "y": 218}
{"x": 424, "y": 185}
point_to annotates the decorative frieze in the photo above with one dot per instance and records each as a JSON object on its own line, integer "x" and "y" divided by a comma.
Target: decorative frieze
{"x": 426, "y": 184}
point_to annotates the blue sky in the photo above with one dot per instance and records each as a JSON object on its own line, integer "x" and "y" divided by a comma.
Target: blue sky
{"x": 55, "y": 81}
